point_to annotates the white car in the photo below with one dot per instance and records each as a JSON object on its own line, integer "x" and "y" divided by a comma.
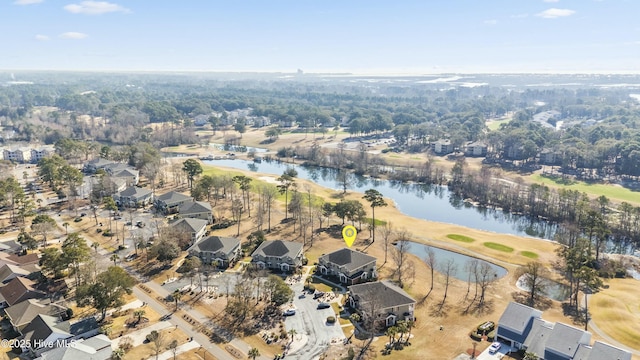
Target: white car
{"x": 289, "y": 312}
{"x": 494, "y": 347}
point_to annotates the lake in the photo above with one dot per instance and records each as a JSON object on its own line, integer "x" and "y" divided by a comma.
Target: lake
{"x": 422, "y": 201}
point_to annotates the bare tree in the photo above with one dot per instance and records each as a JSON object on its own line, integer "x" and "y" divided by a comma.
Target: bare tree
{"x": 267, "y": 197}
{"x": 400, "y": 255}
{"x": 157, "y": 339}
{"x": 386, "y": 231}
{"x": 533, "y": 277}
{"x": 448, "y": 268}
{"x": 486, "y": 277}
{"x": 431, "y": 262}
{"x": 471, "y": 267}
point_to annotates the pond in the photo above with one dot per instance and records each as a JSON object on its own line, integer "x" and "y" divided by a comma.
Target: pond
{"x": 460, "y": 260}
{"x": 422, "y": 201}
{"x": 553, "y": 289}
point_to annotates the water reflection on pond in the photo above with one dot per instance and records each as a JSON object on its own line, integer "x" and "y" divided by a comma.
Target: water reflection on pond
{"x": 553, "y": 289}
{"x": 422, "y": 201}
{"x": 461, "y": 261}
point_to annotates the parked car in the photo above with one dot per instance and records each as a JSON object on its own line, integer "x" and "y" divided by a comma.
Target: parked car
{"x": 318, "y": 294}
{"x": 140, "y": 224}
{"x": 324, "y": 305}
{"x": 289, "y": 312}
{"x": 494, "y": 347}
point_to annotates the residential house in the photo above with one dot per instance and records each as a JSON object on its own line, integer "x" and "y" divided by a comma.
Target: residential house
{"x": 549, "y": 157}
{"x": 46, "y": 332}
{"x": 522, "y": 327}
{"x": 94, "y": 165}
{"x": 443, "y": 147}
{"x": 28, "y": 262}
{"x": 196, "y": 228}
{"x": 41, "y": 153}
{"x": 278, "y": 254}
{"x": 563, "y": 342}
{"x": 222, "y": 251}
{"x": 134, "y": 197}
{"x": 201, "y": 120}
{"x": 475, "y": 149}
{"x": 115, "y": 167}
{"x": 599, "y": 351}
{"x": 130, "y": 176}
{"x": 21, "y": 314}
{"x": 196, "y": 210}
{"x": 94, "y": 348}
{"x": 17, "y": 155}
{"x": 9, "y": 272}
{"x": 349, "y": 266}
{"x": 170, "y": 202}
{"x": 18, "y": 290}
{"x": 516, "y": 323}
{"x": 386, "y": 302}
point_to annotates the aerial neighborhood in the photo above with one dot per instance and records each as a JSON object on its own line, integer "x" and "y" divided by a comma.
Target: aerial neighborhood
{"x": 164, "y": 222}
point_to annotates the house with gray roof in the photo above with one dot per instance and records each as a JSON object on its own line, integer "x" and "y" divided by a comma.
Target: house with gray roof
{"x": 21, "y": 314}
{"x": 282, "y": 255}
{"x": 386, "y": 302}
{"x": 170, "y": 202}
{"x": 600, "y": 350}
{"x": 46, "y": 332}
{"x": 9, "y": 272}
{"x": 563, "y": 342}
{"x": 94, "y": 165}
{"x": 134, "y": 197}
{"x": 548, "y": 340}
{"x": 196, "y": 210}
{"x": 516, "y": 323}
{"x": 222, "y": 251}
{"x": 348, "y": 266}
{"x": 18, "y": 290}
{"x": 129, "y": 175}
{"x": 196, "y": 228}
{"x": 94, "y": 348}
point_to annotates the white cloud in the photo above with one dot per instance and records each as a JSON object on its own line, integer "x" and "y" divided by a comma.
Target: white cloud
{"x": 551, "y": 1}
{"x": 95, "y": 8}
{"x": 519, "y": 16}
{"x": 27, "y": 2}
{"x": 491, "y": 22}
{"x": 73, "y": 35}
{"x": 41, "y": 37}
{"x": 555, "y": 13}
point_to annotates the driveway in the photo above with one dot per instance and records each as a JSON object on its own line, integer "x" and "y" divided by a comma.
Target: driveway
{"x": 311, "y": 324}
{"x": 498, "y": 355}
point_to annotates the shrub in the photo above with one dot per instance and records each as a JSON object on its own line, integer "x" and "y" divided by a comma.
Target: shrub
{"x": 331, "y": 319}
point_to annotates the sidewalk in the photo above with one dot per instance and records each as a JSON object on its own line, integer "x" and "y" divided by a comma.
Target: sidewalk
{"x": 168, "y": 355}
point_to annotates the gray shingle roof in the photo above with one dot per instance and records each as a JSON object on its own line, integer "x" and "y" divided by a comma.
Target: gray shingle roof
{"x": 216, "y": 243}
{"x": 94, "y": 348}
{"x": 8, "y": 270}
{"x": 387, "y": 294}
{"x": 194, "y": 207}
{"x": 19, "y": 289}
{"x": 24, "y": 312}
{"x": 135, "y": 191}
{"x": 350, "y": 259}
{"x": 538, "y": 336}
{"x": 190, "y": 224}
{"x": 516, "y": 317}
{"x": 42, "y": 326}
{"x": 601, "y": 350}
{"x": 565, "y": 339}
{"x": 278, "y": 248}
{"x": 172, "y": 197}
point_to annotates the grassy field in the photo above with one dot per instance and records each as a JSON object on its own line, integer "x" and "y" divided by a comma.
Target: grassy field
{"x": 495, "y": 124}
{"x": 458, "y": 237}
{"x": 529, "y": 254}
{"x": 613, "y": 192}
{"x": 618, "y": 311}
{"x": 498, "y": 247}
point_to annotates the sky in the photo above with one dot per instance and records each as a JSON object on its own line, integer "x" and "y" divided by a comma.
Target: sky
{"x": 357, "y": 36}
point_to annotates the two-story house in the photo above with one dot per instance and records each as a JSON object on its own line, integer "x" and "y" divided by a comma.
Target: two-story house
{"x": 516, "y": 323}
{"x": 443, "y": 147}
{"x": 21, "y": 314}
{"x": 382, "y": 300}
{"x": 348, "y": 266}
{"x": 196, "y": 210}
{"x": 282, "y": 255}
{"x": 196, "y": 228}
{"x": 170, "y": 202}
{"x": 475, "y": 149}
{"x": 134, "y": 197}
{"x": 222, "y": 251}
{"x": 96, "y": 164}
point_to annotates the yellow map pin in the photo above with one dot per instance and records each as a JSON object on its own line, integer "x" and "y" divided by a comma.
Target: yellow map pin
{"x": 349, "y": 234}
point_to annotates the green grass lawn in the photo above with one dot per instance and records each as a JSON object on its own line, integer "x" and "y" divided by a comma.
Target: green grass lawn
{"x": 495, "y": 125}
{"x": 613, "y": 192}
{"x": 499, "y": 247}
{"x": 462, "y": 238}
{"x": 529, "y": 254}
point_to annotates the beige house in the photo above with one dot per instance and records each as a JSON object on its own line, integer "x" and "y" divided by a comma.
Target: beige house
{"x": 386, "y": 302}
{"x": 348, "y": 266}
{"x": 170, "y": 202}
{"x": 222, "y": 251}
{"x": 196, "y": 210}
{"x": 281, "y": 255}
{"x": 196, "y": 228}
